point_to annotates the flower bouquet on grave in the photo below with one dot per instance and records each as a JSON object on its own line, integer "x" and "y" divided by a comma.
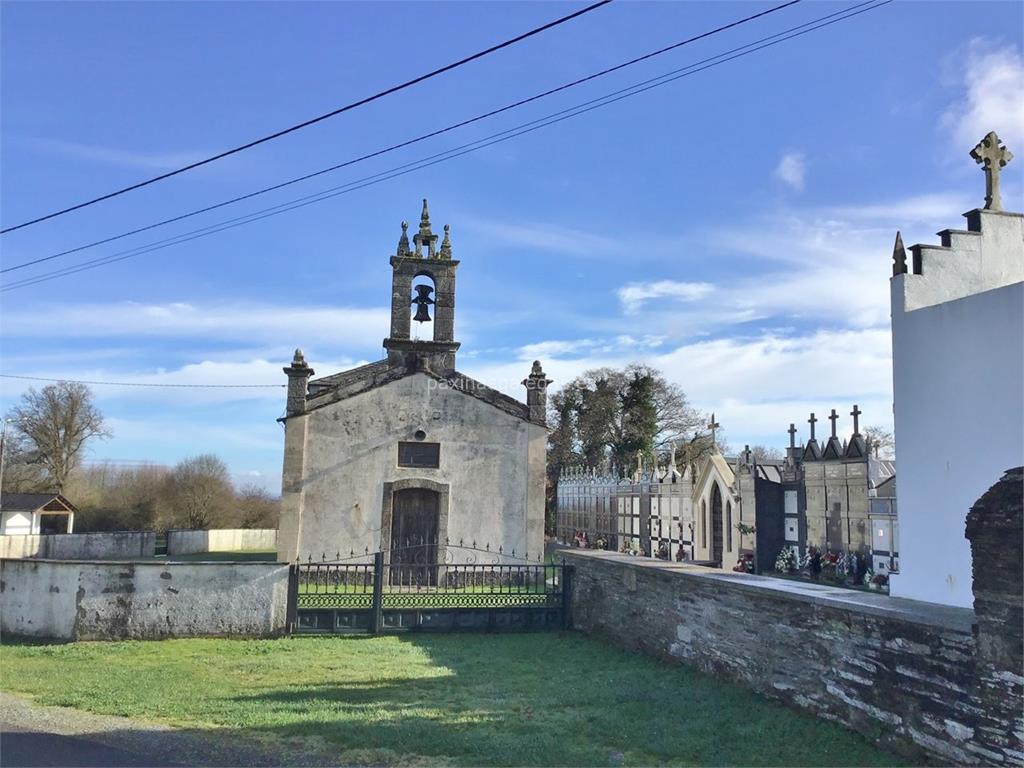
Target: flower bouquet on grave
{"x": 745, "y": 564}
{"x": 880, "y": 581}
{"x": 829, "y": 566}
{"x": 868, "y": 577}
{"x": 786, "y": 562}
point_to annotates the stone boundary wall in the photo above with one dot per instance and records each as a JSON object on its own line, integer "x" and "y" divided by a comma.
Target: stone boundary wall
{"x": 220, "y": 540}
{"x": 83, "y": 600}
{"x": 901, "y": 672}
{"x": 79, "y": 546}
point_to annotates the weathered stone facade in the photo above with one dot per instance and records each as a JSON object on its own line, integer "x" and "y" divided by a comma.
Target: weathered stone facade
{"x": 411, "y": 438}
{"x": 918, "y": 677}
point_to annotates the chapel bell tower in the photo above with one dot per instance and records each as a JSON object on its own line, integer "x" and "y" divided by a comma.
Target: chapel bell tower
{"x": 413, "y": 272}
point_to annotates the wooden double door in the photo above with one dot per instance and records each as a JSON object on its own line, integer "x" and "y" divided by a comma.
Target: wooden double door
{"x": 414, "y": 537}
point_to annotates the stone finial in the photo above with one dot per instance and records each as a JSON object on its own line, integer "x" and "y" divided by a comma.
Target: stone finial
{"x": 899, "y": 257}
{"x": 446, "y": 244}
{"x": 403, "y": 241}
{"x": 298, "y": 374}
{"x": 425, "y": 236}
{"x": 992, "y": 158}
{"x": 537, "y": 393}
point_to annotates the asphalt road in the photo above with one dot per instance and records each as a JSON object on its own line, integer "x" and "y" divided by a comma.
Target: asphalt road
{"x": 21, "y": 748}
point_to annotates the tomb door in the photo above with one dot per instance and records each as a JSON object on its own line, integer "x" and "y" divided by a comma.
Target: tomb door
{"x": 834, "y": 527}
{"x": 414, "y": 528}
{"x": 716, "y": 525}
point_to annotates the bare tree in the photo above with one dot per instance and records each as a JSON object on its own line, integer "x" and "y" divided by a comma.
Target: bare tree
{"x": 200, "y": 492}
{"x": 55, "y": 425}
{"x": 767, "y": 453}
{"x": 881, "y": 443}
{"x": 257, "y": 508}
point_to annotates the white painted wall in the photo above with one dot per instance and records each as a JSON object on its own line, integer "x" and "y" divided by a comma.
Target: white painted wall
{"x": 80, "y": 546}
{"x": 77, "y": 600}
{"x": 958, "y": 387}
{"x": 220, "y": 540}
{"x": 16, "y": 523}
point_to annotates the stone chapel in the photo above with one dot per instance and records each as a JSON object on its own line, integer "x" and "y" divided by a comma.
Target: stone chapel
{"x": 407, "y": 455}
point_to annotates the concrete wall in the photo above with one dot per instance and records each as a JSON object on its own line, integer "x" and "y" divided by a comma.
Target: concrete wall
{"x": 339, "y": 457}
{"x": 901, "y": 672}
{"x": 220, "y": 540}
{"x": 64, "y": 600}
{"x": 958, "y": 375}
{"x": 80, "y": 546}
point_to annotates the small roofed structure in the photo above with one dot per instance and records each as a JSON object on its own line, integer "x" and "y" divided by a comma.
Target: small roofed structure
{"x": 36, "y": 513}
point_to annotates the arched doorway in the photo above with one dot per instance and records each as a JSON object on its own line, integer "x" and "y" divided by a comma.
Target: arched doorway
{"x": 716, "y": 525}
{"x": 414, "y": 536}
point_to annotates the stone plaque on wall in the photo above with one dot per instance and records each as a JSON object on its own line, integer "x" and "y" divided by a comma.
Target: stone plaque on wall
{"x": 419, "y": 455}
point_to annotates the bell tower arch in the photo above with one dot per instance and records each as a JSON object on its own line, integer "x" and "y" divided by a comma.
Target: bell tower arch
{"x": 408, "y": 264}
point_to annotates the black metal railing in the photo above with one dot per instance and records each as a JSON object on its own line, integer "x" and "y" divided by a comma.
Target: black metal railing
{"x": 381, "y": 585}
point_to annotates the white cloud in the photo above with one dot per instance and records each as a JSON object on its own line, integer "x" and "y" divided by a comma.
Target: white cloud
{"x": 993, "y": 80}
{"x": 250, "y": 323}
{"x": 757, "y": 385}
{"x": 634, "y": 295}
{"x": 154, "y": 161}
{"x": 542, "y": 236}
{"x": 791, "y": 169}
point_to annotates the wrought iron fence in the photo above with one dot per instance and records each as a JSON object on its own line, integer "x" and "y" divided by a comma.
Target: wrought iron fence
{"x": 361, "y": 593}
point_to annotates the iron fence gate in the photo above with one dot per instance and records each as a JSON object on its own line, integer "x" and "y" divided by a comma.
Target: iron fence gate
{"x": 379, "y": 596}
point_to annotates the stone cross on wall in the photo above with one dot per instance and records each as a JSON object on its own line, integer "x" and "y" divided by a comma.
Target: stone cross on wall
{"x": 812, "y": 421}
{"x": 713, "y": 426}
{"x": 992, "y": 158}
{"x": 856, "y": 412}
{"x": 833, "y": 417}
{"x": 792, "y": 435}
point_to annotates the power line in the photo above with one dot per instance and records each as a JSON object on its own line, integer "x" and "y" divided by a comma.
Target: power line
{"x": 409, "y": 142}
{"x": 141, "y": 384}
{"x": 450, "y": 154}
{"x": 312, "y": 121}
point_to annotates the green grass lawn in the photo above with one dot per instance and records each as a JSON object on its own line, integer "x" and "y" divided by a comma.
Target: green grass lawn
{"x": 541, "y": 699}
{"x": 240, "y": 555}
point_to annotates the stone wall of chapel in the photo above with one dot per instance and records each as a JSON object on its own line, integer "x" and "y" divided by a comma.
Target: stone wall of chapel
{"x": 491, "y": 462}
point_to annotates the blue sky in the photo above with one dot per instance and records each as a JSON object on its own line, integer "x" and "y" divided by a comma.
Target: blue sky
{"x": 733, "y": 228}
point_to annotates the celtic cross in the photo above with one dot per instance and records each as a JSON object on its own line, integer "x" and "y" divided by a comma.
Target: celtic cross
{"x": 992, "y": 158}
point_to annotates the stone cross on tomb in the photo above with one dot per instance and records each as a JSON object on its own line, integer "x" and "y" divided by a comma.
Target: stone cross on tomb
{"x": 792, "y": 435}
{"x": 992, "y": 158}
{"x": 856, "y": 412}
{"x": 812, "y": 421}
{"x": 833, "y": 417}
{"x": 713, "y": 426}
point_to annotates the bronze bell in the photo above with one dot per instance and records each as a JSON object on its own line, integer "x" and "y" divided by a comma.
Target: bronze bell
{"x": 422, "y": 301}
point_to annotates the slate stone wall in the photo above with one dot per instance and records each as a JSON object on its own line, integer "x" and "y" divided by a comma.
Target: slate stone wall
{"x": 915, "y": 677}
{"x": 995, "y": 528}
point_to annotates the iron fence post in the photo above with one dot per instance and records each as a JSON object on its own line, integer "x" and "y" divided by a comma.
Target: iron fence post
{"x": 292, "y": 615}
{"x": 567, "y": 571}
{"x": 378, "y": 592}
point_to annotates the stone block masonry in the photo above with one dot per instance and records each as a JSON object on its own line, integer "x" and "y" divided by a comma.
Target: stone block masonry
{"x": 922, "y": 678}
{"x": 78, "y": 600}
